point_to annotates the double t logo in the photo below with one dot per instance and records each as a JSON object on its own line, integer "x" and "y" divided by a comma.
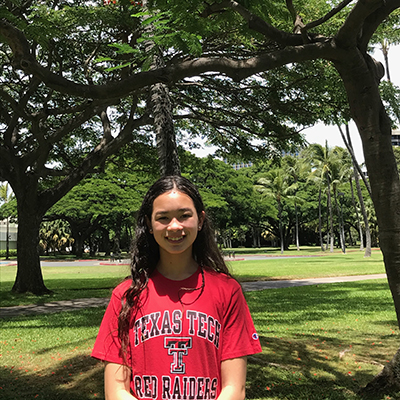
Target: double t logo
{"x": 178, "y": 347}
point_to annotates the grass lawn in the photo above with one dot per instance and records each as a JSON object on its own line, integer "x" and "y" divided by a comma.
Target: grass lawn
{"x": 71, "y": 282}
{"x": 319, "y": 342}
{"x": 317, "y": 266}
{"x": 66, "y": 282}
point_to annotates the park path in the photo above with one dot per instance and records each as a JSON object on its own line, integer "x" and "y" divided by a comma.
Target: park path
{"x": 78, "y": 304}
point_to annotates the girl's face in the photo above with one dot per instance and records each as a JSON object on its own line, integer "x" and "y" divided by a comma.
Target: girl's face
{"x": 174, "y": 222}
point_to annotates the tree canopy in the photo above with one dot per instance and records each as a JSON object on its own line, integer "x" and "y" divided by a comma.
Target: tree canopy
{"x": 82, "y": 57}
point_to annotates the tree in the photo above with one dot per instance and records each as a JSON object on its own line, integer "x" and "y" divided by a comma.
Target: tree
{"x": 275, "y": 184}
{"x": 49, "y": 142}
{"x": 54, "y": 236}
{"x": 295, "y": 168}
{"x": 228, "y": 195}
{"x": 262, "y": 37}
{"x": 50, "y": 139}
{"x": 104, "y": 201}
{"x": 324, "y": 161}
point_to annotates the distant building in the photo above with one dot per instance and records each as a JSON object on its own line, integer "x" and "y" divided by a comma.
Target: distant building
{"x": 12, "y": 235}
{"x": 396, "y": 137}
{"x": 240, "y": 165}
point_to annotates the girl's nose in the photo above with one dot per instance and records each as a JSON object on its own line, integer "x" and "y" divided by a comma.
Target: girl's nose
{"x": 174, "y": 225}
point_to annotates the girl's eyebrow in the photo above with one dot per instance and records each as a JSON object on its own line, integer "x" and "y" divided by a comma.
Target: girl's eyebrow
{"x": 186, "y": 209}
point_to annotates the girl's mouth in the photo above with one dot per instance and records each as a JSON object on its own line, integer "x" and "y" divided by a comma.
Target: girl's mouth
{"x": 175, "y": 239}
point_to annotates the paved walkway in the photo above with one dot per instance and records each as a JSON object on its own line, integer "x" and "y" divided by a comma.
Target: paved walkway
{"x": 78, "y": 304}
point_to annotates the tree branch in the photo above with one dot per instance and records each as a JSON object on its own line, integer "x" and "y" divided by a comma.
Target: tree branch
{"x": 349, "y": 33}
{"x": 39, "y": 156}
{"x": 374, "y": 20}
{"x": 258, "y": 24}
{"x": 94, "y": 158}
{"x": 236, "y": 69}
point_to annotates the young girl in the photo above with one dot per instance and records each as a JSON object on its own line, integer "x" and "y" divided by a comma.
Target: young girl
{"x": 180, "y": 327}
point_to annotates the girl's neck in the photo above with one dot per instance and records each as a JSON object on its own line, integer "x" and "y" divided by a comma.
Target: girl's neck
{"x": 176, "y": 267}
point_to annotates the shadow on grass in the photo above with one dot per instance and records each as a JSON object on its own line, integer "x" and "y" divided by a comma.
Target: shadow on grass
{"x": 272, "y": 376}
{"x": 75, "y": 378}
{"x": 298, "y": 368}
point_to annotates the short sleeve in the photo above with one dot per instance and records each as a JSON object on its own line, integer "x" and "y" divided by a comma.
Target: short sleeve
{"x": 107, "y": 346}
{"x": 239, "y": 336}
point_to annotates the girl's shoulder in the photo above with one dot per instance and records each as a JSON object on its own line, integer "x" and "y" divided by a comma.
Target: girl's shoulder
{"x": 222, "y": 279}
{"x": 120, "y": 290}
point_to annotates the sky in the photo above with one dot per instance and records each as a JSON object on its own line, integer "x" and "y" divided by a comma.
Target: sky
{"x": 320, "y": 133}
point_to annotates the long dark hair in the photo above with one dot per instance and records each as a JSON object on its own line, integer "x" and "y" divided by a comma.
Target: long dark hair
{"x": 146, "y": 254}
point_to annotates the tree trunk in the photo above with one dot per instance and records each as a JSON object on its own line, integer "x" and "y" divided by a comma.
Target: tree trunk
{"x": 164, "y": 129}
{"x": 361, "y": 77}
{"x": 330, "y": 215}
{"x": 341, "y": 229}
{"x": 353, "y": 200}
{"x": 349, "y": 145}
{"x": 77, "y": 234}
{"x": 281, "y": 227}
{"x": 387, "y": 380}
{"x": 105, "y": 241}
{"x": 321, "y": 241}
{"x": 357, "y": 171}
{"x": 297, "y": 227}
{"x": 385, "y": 52}
{"x": 29, "y": 274}
{"x": 368, "y": 244}
{"x": 162, "y": 114}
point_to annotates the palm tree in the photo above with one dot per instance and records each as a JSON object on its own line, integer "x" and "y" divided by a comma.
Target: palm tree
{"x": 324, "y": 161}
{"x": 161, "y": 107}
{"x": 347, "y": 172}
{"x": 275, "y": 184}
{"x": 357, "y": 173}
{"x": 55, "y": 236}
{"x": 295, "y": 168}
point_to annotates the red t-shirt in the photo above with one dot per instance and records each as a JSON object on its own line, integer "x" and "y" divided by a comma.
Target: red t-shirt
{"x": 180, "y": 335}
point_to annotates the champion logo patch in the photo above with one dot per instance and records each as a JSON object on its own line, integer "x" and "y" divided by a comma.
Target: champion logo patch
{"x": 254, "y": 336}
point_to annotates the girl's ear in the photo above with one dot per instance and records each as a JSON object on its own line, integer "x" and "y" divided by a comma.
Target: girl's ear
{"x": 201, "y": 219}
{"x": 148, "y": 223}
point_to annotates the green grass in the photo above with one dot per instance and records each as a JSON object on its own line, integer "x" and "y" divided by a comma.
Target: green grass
{"x": 98, "y": 280}
{"x": 291, "y": 251}
{"x": 319, "y": 342}
{"x": 48, "y": 357}
{"x": 65, "y": 282}
{"x": 337, "y": 264}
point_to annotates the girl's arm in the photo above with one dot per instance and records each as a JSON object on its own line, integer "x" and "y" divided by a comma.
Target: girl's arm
{"x": 233, "y": 379}
{"x": 117, "y": 379}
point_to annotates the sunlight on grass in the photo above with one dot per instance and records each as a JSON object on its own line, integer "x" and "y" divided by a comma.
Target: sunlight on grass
{"x": 308, "y": 267}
